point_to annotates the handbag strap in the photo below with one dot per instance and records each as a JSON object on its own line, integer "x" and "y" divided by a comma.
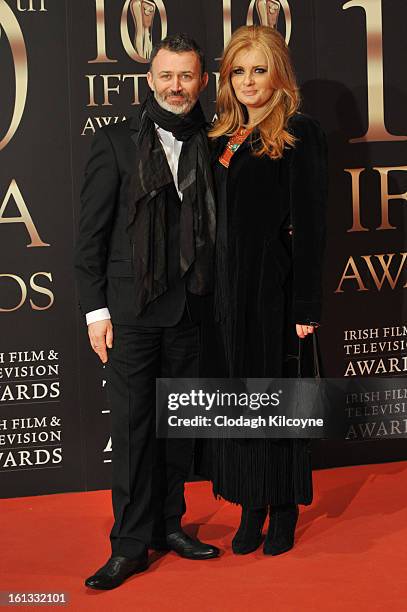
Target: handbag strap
{"x": 315, "y": 350}
{"x": 315, "y": 353}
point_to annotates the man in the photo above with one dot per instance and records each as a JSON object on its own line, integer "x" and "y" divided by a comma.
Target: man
{"x": 144, "y": 261}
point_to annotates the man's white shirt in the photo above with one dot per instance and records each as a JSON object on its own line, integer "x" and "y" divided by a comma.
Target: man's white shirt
{"x": 172, "y": 148}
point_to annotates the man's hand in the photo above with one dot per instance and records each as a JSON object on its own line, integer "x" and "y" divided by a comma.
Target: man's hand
{"x": 101, "y": 337}
{"x": 304, "y": 330}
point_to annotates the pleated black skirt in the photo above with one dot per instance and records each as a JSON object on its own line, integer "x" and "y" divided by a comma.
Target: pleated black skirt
{"x": 256, "y": 473}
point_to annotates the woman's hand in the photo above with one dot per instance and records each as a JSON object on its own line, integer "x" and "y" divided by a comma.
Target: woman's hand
{"x": 304, "y": 330}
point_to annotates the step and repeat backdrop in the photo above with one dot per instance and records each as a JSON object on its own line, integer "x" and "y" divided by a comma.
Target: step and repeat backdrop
{"x": 68, "y": 67}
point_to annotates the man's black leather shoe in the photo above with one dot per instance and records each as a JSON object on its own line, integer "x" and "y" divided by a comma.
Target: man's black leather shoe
{"x": 189, "y": 548}
{"x": 115, "y": 572}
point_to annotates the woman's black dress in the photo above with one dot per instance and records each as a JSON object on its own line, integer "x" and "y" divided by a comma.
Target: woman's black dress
{"x": 266, "y": 281}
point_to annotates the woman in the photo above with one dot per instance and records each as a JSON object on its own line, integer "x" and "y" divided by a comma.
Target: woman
{"x": 271, "y": 173}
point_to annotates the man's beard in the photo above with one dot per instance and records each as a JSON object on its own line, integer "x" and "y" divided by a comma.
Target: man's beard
{"x": 177, "y": 109}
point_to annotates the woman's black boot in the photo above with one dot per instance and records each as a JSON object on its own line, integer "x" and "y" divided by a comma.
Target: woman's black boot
{"x": 248, "y": 536}
{"x": 280, "y": 534}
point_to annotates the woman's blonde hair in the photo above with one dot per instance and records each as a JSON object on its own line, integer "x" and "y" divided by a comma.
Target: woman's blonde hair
{"x": 283, "y": 103}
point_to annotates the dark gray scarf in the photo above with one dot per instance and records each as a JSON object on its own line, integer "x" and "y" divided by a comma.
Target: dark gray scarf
{"x": 147, "y": 218}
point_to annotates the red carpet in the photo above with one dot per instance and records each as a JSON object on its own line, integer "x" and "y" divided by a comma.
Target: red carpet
{"x": 351, "y": 552}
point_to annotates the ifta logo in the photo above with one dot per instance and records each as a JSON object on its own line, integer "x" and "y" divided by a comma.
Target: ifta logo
{"x": 268, "y": 11}
{"x": 142, "y": 14}
{"x": 10, "y": 28}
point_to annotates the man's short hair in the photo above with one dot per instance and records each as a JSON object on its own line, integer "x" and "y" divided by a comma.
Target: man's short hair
{"x": 179, "y": 43}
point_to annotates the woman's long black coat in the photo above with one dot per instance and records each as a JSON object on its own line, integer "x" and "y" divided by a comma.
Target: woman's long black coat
{"x": 267, "y": 278}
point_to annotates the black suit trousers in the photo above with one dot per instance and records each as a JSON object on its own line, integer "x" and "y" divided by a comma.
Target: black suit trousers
{"x": 148, "y": 473}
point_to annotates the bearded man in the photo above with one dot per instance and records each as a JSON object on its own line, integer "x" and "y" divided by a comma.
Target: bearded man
{"x": 144, "y": 262}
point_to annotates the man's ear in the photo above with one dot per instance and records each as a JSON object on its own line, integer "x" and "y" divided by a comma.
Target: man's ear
{"x": 204, "y": 80}
{"x": 150, "y": 80}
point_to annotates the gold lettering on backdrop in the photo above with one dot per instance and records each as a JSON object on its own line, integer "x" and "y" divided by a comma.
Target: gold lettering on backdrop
{"x": 355, "y": 175}
{"x": 377, "y": 130}
{"x": 101, "y": 56}
{"x": 31, "y": 6}
{"x": 23, "y": 289}
{"x": 382, "y": 261}
{"x": 14, "y": 192}
{"x": 355, "y": 275}
{"x": 217, "y": 77}
{"x": 35, "y": 286}
{"x": 100, "y": 122}
{"x": 227, "y": 25}
{"x": 267, "y": 12}
{"x": 385, "y": 196}
{"x": 227, "y": 21}
{"x": 11, "y": 28}
{"x": 43, "y": 290}
{"x": 385, "y": 267}
{"x": 135, "y": 77}
{"x": 107, "y": 87}
{"x": 91, "y": 79}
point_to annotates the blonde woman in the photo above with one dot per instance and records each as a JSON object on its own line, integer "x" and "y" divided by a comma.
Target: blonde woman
{"x": 271, "y": 175}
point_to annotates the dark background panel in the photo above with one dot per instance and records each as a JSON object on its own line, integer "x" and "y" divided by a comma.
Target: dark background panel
{"x": 38, "y": 158}
{"x": 342, "y": 108}
{"x": 47, "y": 157}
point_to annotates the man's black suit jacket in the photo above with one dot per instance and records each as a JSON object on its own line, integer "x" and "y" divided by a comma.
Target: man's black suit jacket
{"x": 103, "y": 259}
